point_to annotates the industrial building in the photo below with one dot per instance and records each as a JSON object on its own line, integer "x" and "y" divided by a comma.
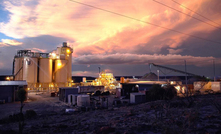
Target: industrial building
{"x": 44, "y": 71}
{"x": 9, "y": 89}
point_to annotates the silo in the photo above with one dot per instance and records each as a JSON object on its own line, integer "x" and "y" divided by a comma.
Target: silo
{"x": 45, "y": 70}
{"x": 18, "y": 68}
{"x": 60, "y": 71}
{"x": 30, "y": 66}
{"x": 69, "y": 68}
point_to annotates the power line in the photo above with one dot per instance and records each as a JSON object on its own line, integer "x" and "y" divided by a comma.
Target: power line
{"x": 186, "y": 14}
{"x": 196, "y": 12}
{"x": 146, "y": 22}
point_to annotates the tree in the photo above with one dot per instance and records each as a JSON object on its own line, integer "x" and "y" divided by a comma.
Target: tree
{"x": 156, "y": 92}
{"x": 22, "y": 95}
{"x": 170, "y": 92}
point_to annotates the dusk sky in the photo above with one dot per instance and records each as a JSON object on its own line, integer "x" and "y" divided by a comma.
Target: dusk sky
{"x": 123, "y": 41}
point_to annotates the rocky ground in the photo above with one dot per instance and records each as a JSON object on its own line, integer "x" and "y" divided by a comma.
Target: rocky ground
{"x": 199, "y": 114}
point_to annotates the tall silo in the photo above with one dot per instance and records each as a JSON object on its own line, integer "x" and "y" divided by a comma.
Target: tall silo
{"x": 65, "y": 52}
{"x": 45, "y": 70}
{"x": 18, "y": 68}
{"x": 30, "y": 66}
{"x": 60, "y": 71}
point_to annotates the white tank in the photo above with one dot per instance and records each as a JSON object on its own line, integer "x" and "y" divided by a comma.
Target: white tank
{"x": 30, "y": 66}
{"x": 83, "y": 100}
{"x": 45, "y": 70}
{"x": 61, "y": 71}
{"x": 17, "y": 67}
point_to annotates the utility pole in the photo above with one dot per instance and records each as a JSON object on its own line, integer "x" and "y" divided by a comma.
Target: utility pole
{"x": 186, "y": 79}
{"x": 158, "y": 72}
{"x": 214, "y": 70}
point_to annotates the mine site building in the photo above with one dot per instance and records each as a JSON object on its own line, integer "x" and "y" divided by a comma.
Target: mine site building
{"x": 8, "y": 90}
{"x": 44, "y": 71}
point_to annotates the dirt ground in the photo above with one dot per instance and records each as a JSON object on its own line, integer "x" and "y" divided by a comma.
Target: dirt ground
{"x": 175, "y": 116}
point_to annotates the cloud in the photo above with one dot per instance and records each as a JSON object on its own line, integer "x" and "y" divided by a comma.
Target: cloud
{"x": 170, "y": 59}
{"x": 175, "y": 51}
{"x": 7, "y": 42}
{"x": 84, "y": 73}
{"x": 102, "y": 31}
{"x": 38, "y": 50}
{"x": 100, "y": 37}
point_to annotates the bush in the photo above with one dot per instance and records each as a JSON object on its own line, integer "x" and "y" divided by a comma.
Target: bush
{"x": 159, "y": 93}
{"x": 156, "y": 92}
{"x": 170, "y": 92}
{"x": 30, "y": 114}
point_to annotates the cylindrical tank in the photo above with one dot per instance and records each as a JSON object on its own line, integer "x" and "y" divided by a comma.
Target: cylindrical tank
{"x": 60, "y": 71}
{"x": 45, "y": 70}
{"x": 83, "y": 100}
{"x": 69, "y": 67}
{"x": 30, "y": 66}
{"x": 17, "y": 69}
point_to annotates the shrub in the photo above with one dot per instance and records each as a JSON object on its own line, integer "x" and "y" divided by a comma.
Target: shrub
{"x": 30, "y": 114}
{"x": 170, "y": 92}
{"x": 159, "y": 93}
{"x": 156, "y": 92}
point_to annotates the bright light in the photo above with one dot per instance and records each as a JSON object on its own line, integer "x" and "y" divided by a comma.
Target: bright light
{"x": 7, "y": 78}
{"x": 59, "y": 64}
{"x": 68, "y": 51}
{"x": 53, "y": 55}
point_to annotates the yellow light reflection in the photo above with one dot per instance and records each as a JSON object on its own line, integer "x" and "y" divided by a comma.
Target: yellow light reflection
{"x": 7, "y": 78}
{"x": 68, "y": 51}
{"x": 59, "y": 64}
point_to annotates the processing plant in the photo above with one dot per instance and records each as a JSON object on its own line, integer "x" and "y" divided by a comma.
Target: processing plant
{"x": 44, "y": 71}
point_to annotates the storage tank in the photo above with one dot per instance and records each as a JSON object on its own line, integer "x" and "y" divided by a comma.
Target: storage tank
{"x": 60, "y": 71}
{"x": 83, "y": 100}
{"x": 17, "y": 66}
{"x": 30, "y": 66}
{"x": 45, "y": 70}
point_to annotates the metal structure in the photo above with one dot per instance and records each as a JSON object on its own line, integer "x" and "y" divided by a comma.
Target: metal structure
{"x": 107, "y": 80}
{"x": 175, "y": 70}
{"x": 44, "y": 71}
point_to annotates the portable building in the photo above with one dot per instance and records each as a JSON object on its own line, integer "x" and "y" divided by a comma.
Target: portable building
{"x": 8, "y": 90}
{"x": 136, "y": 98}
{"x": 65, "y": 91}
{"x": 83, "y": 100}
{"x": 202, "y": 85}
{"x": 216, "y": 86}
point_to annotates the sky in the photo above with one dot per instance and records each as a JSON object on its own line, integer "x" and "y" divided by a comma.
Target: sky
{"x": 120, "y": 37}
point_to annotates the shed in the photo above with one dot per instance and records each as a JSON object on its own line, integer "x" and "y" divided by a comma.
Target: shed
{"x": 136, "y": 98}
{"x": 8, "y": 90}
{"x": 65, "y": 91}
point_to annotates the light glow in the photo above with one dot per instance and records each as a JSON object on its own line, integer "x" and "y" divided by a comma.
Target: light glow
{"x": 7, "y": 78}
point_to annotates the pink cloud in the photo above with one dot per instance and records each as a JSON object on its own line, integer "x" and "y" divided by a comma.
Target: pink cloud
{"x": 85, "y": 73}
{"x": 172, "y": 59}
{"x": 6, "y": 42}
{"x": 99, "y": 32}
{"x": 39, "y": 50}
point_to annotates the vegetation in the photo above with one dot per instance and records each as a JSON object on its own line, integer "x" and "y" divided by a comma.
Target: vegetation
{"x": 161, "y": 93}
{"x": 22, "y": 95}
